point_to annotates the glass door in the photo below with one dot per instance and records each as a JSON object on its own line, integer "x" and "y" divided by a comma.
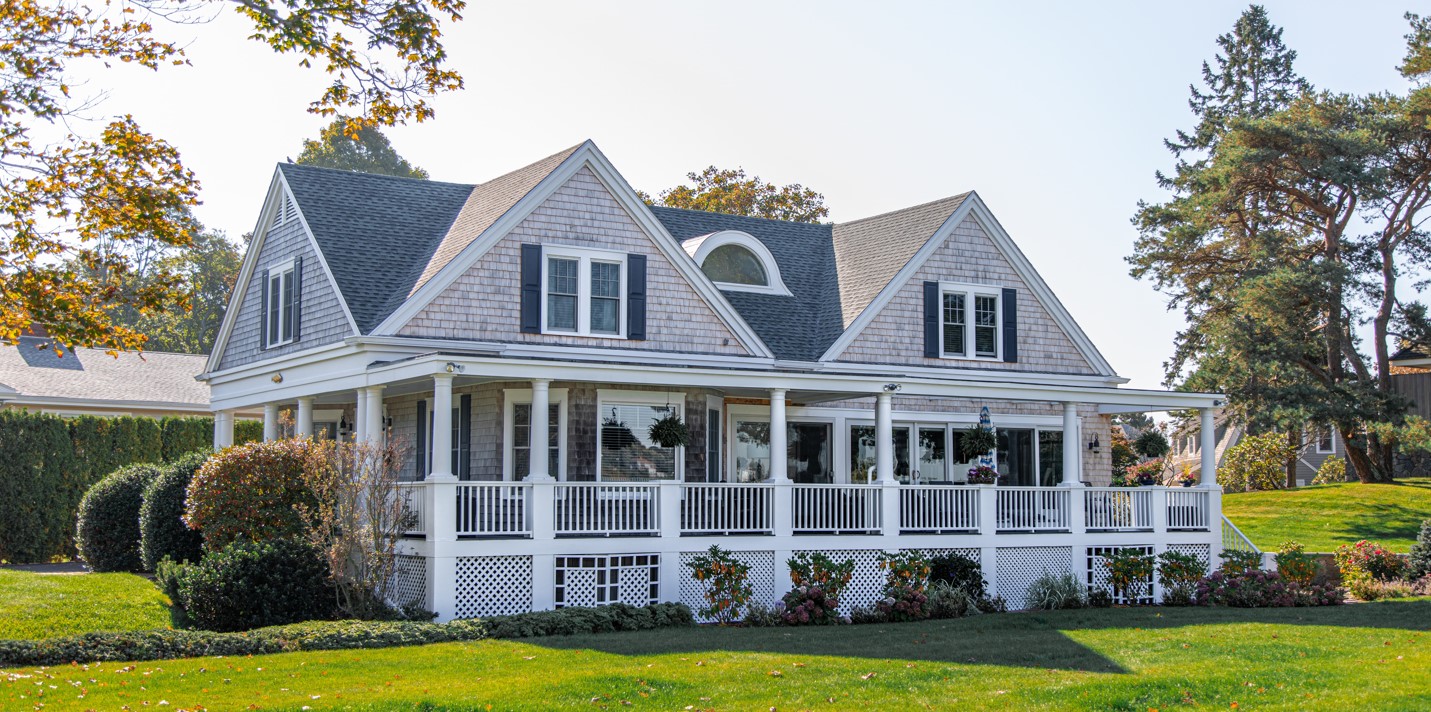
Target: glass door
{"x": 809, "y": 452}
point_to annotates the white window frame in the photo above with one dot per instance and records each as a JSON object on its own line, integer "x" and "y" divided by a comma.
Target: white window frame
{"x": 674, "y": 398}
{"x": 584, "y": 258}
{"x": 970, "y": 291}
{"x": 699, "y": 248}
{"x": 1331, "y": 436}
{"x": 715, "y": 404}
{"x": 281, "y": 273}
{"x": 514, "y": 396}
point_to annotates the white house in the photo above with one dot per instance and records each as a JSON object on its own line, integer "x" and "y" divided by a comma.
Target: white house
{"x": 825, "y": 373}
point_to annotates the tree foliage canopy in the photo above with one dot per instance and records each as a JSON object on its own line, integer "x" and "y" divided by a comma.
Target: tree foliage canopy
{"x": 731, "y": 191}
{"x": 75, "y": 206}
{"x": 364, "y": 150}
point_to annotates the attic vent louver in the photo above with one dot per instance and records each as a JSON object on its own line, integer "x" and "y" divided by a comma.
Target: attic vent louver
{"x": 287, "y": 211}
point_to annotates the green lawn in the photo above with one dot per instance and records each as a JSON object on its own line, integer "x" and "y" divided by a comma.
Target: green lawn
{"x": 35, "y": 606}
{"x": 1327, "y": 516}
{"x": 1367, "y": 656}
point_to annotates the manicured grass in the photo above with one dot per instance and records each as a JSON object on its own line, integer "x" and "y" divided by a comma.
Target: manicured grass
{"x": 36, "y": 606}
{"x": 1367, "y": 656}
{"x": 1327, "y": 516}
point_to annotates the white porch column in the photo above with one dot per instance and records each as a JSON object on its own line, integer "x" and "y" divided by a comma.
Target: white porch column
{"x": 779, "y": 448}
{"x": 373, "y": 415}
{"x": 1072, "y": 447}
{"x": 884, "y": 437}
{"x": 540, "y": 432}
{"x": 303, "y": 424}
{"x": 441, "y": 427}
{"x": 270, "y": 421}
{"x": 360, "y": 421}
{"x": 1207, "y": 474}
{"x": 223, "y": 429}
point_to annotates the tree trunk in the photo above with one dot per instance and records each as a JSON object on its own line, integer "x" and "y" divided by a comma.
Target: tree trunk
{"x": 1294, "y": 443}
{"x": 1357, "y": 459}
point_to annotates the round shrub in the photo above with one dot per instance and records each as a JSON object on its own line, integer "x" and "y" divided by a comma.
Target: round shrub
{"x": 107, "y": 528}
{"x": 162, "y": 531}
{"x": 250, "y": 585}
{"x": 250, "y": 492}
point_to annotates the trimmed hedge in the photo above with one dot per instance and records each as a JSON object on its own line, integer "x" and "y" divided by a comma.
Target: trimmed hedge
{"x": 251, "y": 585}
{"x": 162, "y": 532}
{"x": 107, "y": 528}
{"x": 333, "y": 635}
{"x": 47, "y": 463}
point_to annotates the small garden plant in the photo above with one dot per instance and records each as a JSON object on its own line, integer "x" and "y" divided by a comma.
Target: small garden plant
{"x": 1179, "y": 574}
{"x": 727, "y": 584}
{"x": 906, "y": 580}
{"x": 1367, "y": 568}
{"x": 819, "y": 581}
{"x": 1237, "y": 561}
{"x": 1130, "y": 573}
{"x": 1295, "y": 564}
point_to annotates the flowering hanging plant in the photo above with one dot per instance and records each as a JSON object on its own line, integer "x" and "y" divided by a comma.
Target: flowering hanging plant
{"x": 1186, "y": 478}
{"x": 983, "y": 475}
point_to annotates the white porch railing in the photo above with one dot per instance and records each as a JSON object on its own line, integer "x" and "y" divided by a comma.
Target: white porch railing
{"x": 1188, "y": 509}
{"x": 600, "y": 509}
{"x": 724, "y": 508}
{"x": 1117, "y": 509}
{"x": 414, "y": 499}
{"x": 938, "y": 509}
{"x": 1032, "y": 509}
{"x": 494, "y": 509}
{"x": 1234, "y": 539}
{"x": 835, "y": 509}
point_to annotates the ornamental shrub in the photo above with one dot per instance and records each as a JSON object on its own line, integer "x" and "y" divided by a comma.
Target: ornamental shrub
{"x": 253, "y": 584}
{"x": 1368, "y": 559}
{"x": 40, "y": 487}
{"x": 107, "y": 528}
{"x": 182, "y": 435}
{"x": 1294, "y": 564}
{"x": 961, "y": 572}
{"x": 1179, "y": 574}
{"x": 727, "y": 584}
{"x": 809, "y": 605}
{"x": 1052, "y": 592}
{"x": 254, "y": 492}
{"x": 1262, "y": 589}
{"x": 162, "y": 532}
{"x": 1333, "y": 469}
{"x": 948, "y": 601}
{"x": 1418, "y": 560}
{"x": 1256, "y": 462}
{"x": 818, "y": 570}
{"x": 906, "y": 578}
{"x": 1130, "y": 574}
{"x": 1237, "y": 561}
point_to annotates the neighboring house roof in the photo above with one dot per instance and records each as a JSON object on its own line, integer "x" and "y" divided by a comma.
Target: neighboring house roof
{"x": 37, "y": 375}
{"x": 1407, "y": 354}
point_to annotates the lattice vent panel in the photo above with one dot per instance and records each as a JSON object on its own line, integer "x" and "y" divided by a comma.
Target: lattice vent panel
{"x": 1098, "y": 574}
{"x": 865, "y": 585}
{"x": 762, "y": 580}
{"x": 493, "y": 585}
{"x": 1203, "y": 552}
{"x": 1020, "y": 566}
{"x": 602, "y": 580}
{"x": 409, "y": 583}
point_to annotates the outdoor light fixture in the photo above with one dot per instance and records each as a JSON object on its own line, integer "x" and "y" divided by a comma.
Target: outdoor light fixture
{"x": 1093, "y": 444}
{"x": 891, "y": 387}
{"x": 277, "y": 378}
{"x": 453, "y": 368}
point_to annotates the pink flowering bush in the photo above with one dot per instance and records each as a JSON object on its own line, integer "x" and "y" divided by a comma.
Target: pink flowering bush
{"x": 809, "y": 605}
{"x": 906, "y": 577}
{"x": 1262, "y": 589}
{"x": 1369, "y": 559}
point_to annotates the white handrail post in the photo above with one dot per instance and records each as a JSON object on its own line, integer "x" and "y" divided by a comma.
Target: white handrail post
{"x": 669, "y": 509}
{"x": 542, "y": 512}
{"x": 442, "y": 537}
{"x": 783, "y": 516}
{"x": 1077, "y": 511}
{"x": 1159, "y": 505}
{"x": 889, "y": 513}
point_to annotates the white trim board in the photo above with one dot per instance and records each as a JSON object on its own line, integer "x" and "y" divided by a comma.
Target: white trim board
{"x": 588, "y": 156}
{"x": 973, "y": 206}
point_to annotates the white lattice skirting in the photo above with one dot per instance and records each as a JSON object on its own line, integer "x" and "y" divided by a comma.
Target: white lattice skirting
{"x": 409, "y": 585}
{"x": 1019, "y": 567}
{"x": 762, "y": 579}
{"x": 1098, "y": 571}
{"x": 493, "y": 585}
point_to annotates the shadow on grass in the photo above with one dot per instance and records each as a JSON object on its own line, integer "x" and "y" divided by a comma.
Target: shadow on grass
{"x": 1033, "y": 640}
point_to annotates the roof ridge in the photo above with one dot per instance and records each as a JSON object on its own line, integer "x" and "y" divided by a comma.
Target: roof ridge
{"x": 104, "y": 351}
{"x": 886, "y": 214}
{"x": 365, "y": 174}
{"x": 566, "y": 152}
{"x": 742, "y": 217}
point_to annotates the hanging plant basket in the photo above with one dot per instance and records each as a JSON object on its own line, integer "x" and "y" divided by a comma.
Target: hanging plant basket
{"x": 670, "y": 431}
{"x": 975, "y": 442}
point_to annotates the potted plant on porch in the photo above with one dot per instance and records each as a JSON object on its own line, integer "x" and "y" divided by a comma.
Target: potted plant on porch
{"x": 670, "y": 431}
{"x": 976, "y": 442}
{"x": 983, "y": 475}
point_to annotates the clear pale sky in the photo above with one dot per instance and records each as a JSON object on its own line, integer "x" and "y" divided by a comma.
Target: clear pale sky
{"x": 1053, "y": 111}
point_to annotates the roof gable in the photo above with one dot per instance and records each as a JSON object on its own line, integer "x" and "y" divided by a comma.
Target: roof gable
{"x": 869, "y": 252}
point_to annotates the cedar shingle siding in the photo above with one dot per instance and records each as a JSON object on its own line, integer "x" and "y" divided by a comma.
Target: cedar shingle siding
{"x": 484, "y": 304}
{"x": 322, "y": 318}
{"x": 896, "y": 336}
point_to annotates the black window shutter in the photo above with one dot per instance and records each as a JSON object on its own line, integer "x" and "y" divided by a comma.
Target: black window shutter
{"x": 1011, "y": 326}
{"x": 531, "y": 289}
{"x": 931, "y": 320}
{"x": 295, "y": 315}
{"x": 263, "y": 310}
{"x": 464, "y": 438}
{"x": 422, "y": 455}
{"x": 636, "y": 297}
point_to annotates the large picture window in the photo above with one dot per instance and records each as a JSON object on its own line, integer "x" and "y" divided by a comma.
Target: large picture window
{"x": 584, "y": 292}
{"x": 971, "y": 319}
{"x": 627, "y": 453}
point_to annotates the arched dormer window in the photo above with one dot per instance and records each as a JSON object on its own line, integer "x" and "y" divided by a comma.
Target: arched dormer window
{"x": 736, "y": 262}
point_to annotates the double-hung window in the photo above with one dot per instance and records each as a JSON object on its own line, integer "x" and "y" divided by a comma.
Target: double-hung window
{"x": 1326, "y": 441}
{"x": 584, "y": 292}
{"x": 971, "y": 320}
{"x": 280, "y": 314}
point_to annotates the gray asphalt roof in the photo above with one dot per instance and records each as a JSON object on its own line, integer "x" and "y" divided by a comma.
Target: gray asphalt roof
{"x": 384, "y": 237}
{"x": 93, "y": 375}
